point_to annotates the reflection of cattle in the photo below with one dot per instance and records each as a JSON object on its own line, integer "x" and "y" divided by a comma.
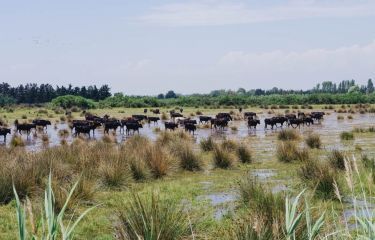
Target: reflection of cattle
{"x": 132, "y": 126}
{"x": 204, "y": 119}
{"x": 249, "y": 115}
{"x": 4, "y": 132}
{"x": 153, "y": 119}
{"x": 191, "y": 128}
{"x": 252, "y": 123}
{"x": 226, "y": 116}
{"x": 24, "y": 127}
{"x": 170, "y": 125}
{"x": 111, "y": 125}
{"x": 139, "y": 117}
{"x": 220, "y": 123}
{"x": 41, "y": 123}
{"x": 155, "y": 111}
{"x": 295, "y": 122}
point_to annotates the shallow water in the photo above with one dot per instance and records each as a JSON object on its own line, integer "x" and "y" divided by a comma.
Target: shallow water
{"x": 262, "y": 140}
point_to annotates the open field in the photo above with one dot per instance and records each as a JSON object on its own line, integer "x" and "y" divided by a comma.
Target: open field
{"x": 208, "y": 185}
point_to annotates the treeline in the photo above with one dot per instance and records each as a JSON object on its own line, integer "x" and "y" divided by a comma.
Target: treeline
{"x": 43, "y": 93}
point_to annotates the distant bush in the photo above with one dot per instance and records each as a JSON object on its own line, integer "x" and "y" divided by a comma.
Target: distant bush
{"x": 70, "y": 101}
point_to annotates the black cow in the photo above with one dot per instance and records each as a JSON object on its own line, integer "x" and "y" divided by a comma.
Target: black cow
{"x": 290, "y": 116}
{"x": 191, "y": 128}
{"x": 153, "y": 119}
{"x": 41, "y": 123}
{"x": 155, "y": 111}
{"x": 111, "y": 125}
{"x": 204, "y": 119}
{"x": 145, "y": 110}
{"x": 220, "y": 123}
{"x": 317, "y": 115}
{"x": 248, "y": 115}
{"x": 295, "y": 122}
{"x": 84, "y": 129}
{"x": 131, "y": 126}
{"x": 308, "y": 121}
{"x": 270, "y": 121}
{"x": 226, "y": 116}
{"x": 24, "y": 127}
{"x": 170, "y": 125}
{"x": 93, "y": 118}
{"x": 187, "y": 121}
{"x": 175, "y": 115}
{"x": 92, "y": 125}
{"x": 4, "y": 132}
{"x": 252, "y": 123}
{"x": 139, "y": 117}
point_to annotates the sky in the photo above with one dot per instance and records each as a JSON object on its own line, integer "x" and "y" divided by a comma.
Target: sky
{"x": 190, "y": 46}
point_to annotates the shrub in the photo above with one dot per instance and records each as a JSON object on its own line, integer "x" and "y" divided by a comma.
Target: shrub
{"x": 350, "y": 117}
{"x": 114, "y": 171}
{"x": 207, "y": 144}
{"x": 347, "y": 136}
{"x": 229, "y": 145}
{"x": 288, "y": 134}
{"x": 158, "y": 160}
{"x": 337, "y": 159}
{"x": 244, "y": 154}
{"x": 288, "y": 152}
{"x": 340, "y": 117}
{"x": 151, "y": 218}
{"x": 138, "y": 169}
{"x": 313, "y": 141}
{"x": 70, "y": 101}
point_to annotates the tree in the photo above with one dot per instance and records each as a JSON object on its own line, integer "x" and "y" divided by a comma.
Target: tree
{"x": 353, "y": 89}
{"x": 170, "y": 94}
{"x": 161, "y": 96}
{"x": 370, "y": 86}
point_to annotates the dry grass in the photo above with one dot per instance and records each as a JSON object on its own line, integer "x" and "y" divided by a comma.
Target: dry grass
{"x": 313, "y": 141}
{"x": 288, "y": 134}
{"x": 288, "y": 151}
{"x": 222, "y": 158}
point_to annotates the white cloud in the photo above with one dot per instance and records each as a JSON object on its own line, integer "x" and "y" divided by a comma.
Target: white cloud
{"x": 207, "y": 13}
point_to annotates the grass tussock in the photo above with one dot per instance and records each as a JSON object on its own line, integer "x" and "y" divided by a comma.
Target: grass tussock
{"x": 151, "y": 218}
{"x": 187, "y": 158}
{"x": 313, "y": 141}
{"x": 222, "y": 158}
{"x": 244, "y": 154}
{"x": 288, "y": 135}
{"x": 17, "y": 141}
{"x": 336, "y": 159}
{"x": 207, "y": 144}
{"x": 288, "y": 151}
{"x": 321, "y": 178}
{"x": 346, "y": 136}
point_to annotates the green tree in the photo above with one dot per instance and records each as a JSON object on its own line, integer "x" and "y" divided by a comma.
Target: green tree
{"x": 370, "y": 86}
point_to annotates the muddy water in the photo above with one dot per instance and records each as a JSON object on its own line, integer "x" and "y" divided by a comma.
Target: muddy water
{"x": 262, "y": 140}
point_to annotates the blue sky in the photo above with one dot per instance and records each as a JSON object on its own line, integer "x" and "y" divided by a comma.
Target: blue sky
{"x": 148, "y": 47}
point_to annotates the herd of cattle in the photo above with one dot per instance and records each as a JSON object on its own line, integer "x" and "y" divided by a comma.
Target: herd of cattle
{"x": 132, "y": 124}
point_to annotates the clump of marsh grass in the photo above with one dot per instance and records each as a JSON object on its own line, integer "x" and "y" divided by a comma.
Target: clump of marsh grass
{"x": 244, "y": 154}
{"x": 138, "y": 169}
{"x": 346, "y": 136}
{"x": 265, "y": 206}
{"x": 159, "y": 161}
{"x": 164, "y": 116}
{"x": 207, "y": 144}
{"x": 45, "y": 139}
{"x": 340, "y": 117}
{"x": 63, "y": 133}
{"x": 187, "y": 158}
{"x": 313, "y": 141}
{"x": 152, "y": 218}
{"x": 17, "y": 141}
{"x": 114, "y": 172}
{"x": 336, "y": 159}
{"x": 107, "y": 138}
{"x": 229, "y": 145}
{"x": 320, "y": 177}
{"x": 288, "y": 152}
{"x": 222, "y": 158}
{"x": 234, "y": 129}
{"x": 287, "y": 135}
